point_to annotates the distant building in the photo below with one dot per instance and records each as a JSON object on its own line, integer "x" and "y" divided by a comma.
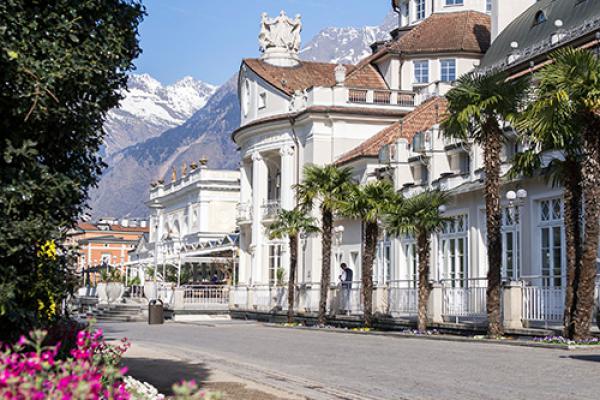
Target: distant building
{"x": 105, "y": 242}
{"x": 192, "y": 222}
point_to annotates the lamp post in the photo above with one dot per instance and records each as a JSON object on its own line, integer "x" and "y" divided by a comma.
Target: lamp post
{"x": 156, "y": 206}
{"x": 515, "y": 201}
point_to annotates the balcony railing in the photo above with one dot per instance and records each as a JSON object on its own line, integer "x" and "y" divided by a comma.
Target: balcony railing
{"x": 244, "y": 212}
{"x": 271, "y": 208}
{"x": 381, "y": 97}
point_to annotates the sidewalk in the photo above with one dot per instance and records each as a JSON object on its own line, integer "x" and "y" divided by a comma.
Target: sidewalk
{"x": 161, "y": 369}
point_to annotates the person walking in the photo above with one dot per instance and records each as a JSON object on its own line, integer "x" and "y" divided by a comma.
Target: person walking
{"x": 346, "y": 282}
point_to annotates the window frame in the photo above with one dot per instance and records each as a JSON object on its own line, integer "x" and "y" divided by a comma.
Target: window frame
{"x": 445, "y": 68}
{"x": 418, "y": 66}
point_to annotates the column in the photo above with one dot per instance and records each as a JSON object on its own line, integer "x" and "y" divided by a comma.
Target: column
{"x": 190, "y": 220}
{"x": 287, "y": 194}
{"x": 259, "y": 195}
{"x": 287, "y": 177}
{"x": 245, "y": 186}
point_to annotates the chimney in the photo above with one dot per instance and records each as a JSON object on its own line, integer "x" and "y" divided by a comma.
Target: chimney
{"x": 505, "y": 11}
{"x": 375, "y": 47}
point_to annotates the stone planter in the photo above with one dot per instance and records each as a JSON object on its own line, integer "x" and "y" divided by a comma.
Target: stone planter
{"x": 149, "y": 290}
{"x": 114, "y": 291}
{"x": 101, "y": 292}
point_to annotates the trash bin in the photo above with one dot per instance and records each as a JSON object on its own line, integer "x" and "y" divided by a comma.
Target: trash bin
{"x": 156, "y": 312}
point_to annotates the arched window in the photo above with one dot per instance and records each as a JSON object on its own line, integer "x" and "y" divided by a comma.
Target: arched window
{"x": 540, "y": 18}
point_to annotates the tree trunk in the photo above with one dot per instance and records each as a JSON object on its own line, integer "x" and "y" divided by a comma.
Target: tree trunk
{"x": 424, "y": 285}
{"x": 492, "y": 150}
{"x": 572, "y": 195}
{"x": 371, "y": 233}
{"x": 292, "y": 277}
{"x": 591, "y": 197}
{"x": 327, "y": 227}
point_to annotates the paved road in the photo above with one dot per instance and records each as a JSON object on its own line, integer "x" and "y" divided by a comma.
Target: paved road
{"x": 324, "y": 365}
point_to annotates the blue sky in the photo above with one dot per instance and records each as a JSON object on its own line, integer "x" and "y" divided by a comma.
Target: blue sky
{"x": 207, "y": 38}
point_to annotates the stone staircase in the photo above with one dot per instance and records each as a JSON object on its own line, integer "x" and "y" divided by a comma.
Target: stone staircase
{"x": 119, "y": 312}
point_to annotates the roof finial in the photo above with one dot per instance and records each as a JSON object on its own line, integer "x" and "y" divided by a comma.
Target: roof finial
{"x": 279, "y": 39}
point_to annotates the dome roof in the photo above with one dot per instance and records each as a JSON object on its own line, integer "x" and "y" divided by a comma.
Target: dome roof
{"x": 531, "y": 33}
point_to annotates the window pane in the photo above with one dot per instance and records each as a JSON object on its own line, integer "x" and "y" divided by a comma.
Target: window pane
{"x": 545, "y": 252}
{"x": 557, "y": 255}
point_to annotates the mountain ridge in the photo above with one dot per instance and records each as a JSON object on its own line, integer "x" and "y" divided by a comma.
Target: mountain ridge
{"x": 124, "y": 186}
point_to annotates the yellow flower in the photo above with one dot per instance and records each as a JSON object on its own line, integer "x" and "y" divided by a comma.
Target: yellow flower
{"x": 52, "y": 309}
{"x": 48, "y": 250}
{"x": 40, "y": 305}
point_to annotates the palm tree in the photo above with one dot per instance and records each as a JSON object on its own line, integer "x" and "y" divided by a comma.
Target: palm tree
{"x": 290, "y": 224}
{"x": 328, "y": 186}
{"x": 368, "y": 203}
{"x": 546, "y": 131}
{"x": 419, "y": 216}
{"x": 570, "y": 85}
{"x": 475, "y": 108}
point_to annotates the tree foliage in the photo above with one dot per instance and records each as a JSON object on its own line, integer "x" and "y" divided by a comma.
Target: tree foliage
{"x": 63, "y": 65}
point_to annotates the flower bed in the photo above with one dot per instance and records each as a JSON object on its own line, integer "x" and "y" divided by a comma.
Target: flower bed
{"x": 562, "y": 341}
{"x": 31, "y": 370}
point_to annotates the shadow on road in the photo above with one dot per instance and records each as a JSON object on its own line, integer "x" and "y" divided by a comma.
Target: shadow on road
{"x": 587, "y": 357}
{"x": 162, "y": 373}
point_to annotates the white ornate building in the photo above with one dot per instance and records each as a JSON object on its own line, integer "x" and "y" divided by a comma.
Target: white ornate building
{"x": 382, "y": 118}
{"x": 191, "y": 217}
{"x": 296, "y": 113}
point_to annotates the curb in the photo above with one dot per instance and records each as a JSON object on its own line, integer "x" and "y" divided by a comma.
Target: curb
{"x": 444, "y": 338}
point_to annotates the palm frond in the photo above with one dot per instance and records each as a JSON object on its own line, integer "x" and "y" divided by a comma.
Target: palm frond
{"x": 290, "y": 223}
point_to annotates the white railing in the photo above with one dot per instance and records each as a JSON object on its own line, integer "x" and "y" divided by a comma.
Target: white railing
{"x": 271, "y": 208}
{"x": 262, "y": 297}
{"x": 381, "y": 97}
{"x": 208, "y": 295}
{"x": 403, "y": 297}
{"x": 307, "y": 297}
{"x": 348, "y": 299}
{"x": 136, "y": 292}
{"x": 240, "y": 296}
{"x": 280, "y": 297}
{"x": 465, "y": 298}
{"x": 543, "y": 303}
{"x": 165, "y": 294}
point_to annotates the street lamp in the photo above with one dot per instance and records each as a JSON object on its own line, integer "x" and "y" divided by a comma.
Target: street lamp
{"x": 515, "y": 201}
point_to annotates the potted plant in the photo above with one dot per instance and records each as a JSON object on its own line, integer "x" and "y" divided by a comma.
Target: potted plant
{"x": 114, "y": 285}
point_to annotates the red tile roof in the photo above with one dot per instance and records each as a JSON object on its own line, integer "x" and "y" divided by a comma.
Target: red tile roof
{"x": 464, "y": 31}
{"x": 313, "y": 74}
{"x": 422, "y": 118}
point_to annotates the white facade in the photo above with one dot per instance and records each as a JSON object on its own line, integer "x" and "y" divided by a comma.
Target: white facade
{"x": 280, "y": 133}
{"x": 411, "y": 12}
{"x": 194, "y": 210}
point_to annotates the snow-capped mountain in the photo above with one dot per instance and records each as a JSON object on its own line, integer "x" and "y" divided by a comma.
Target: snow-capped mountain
{"x": 347, "y": 45}
{"x": 160, "y": 143}
{"x": 149, "y": 108}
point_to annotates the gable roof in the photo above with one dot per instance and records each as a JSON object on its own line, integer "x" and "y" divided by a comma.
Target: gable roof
{"x": 462, "y": 31}
{"x": 420, "y": 119}
{"x": 309, "y": 74}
